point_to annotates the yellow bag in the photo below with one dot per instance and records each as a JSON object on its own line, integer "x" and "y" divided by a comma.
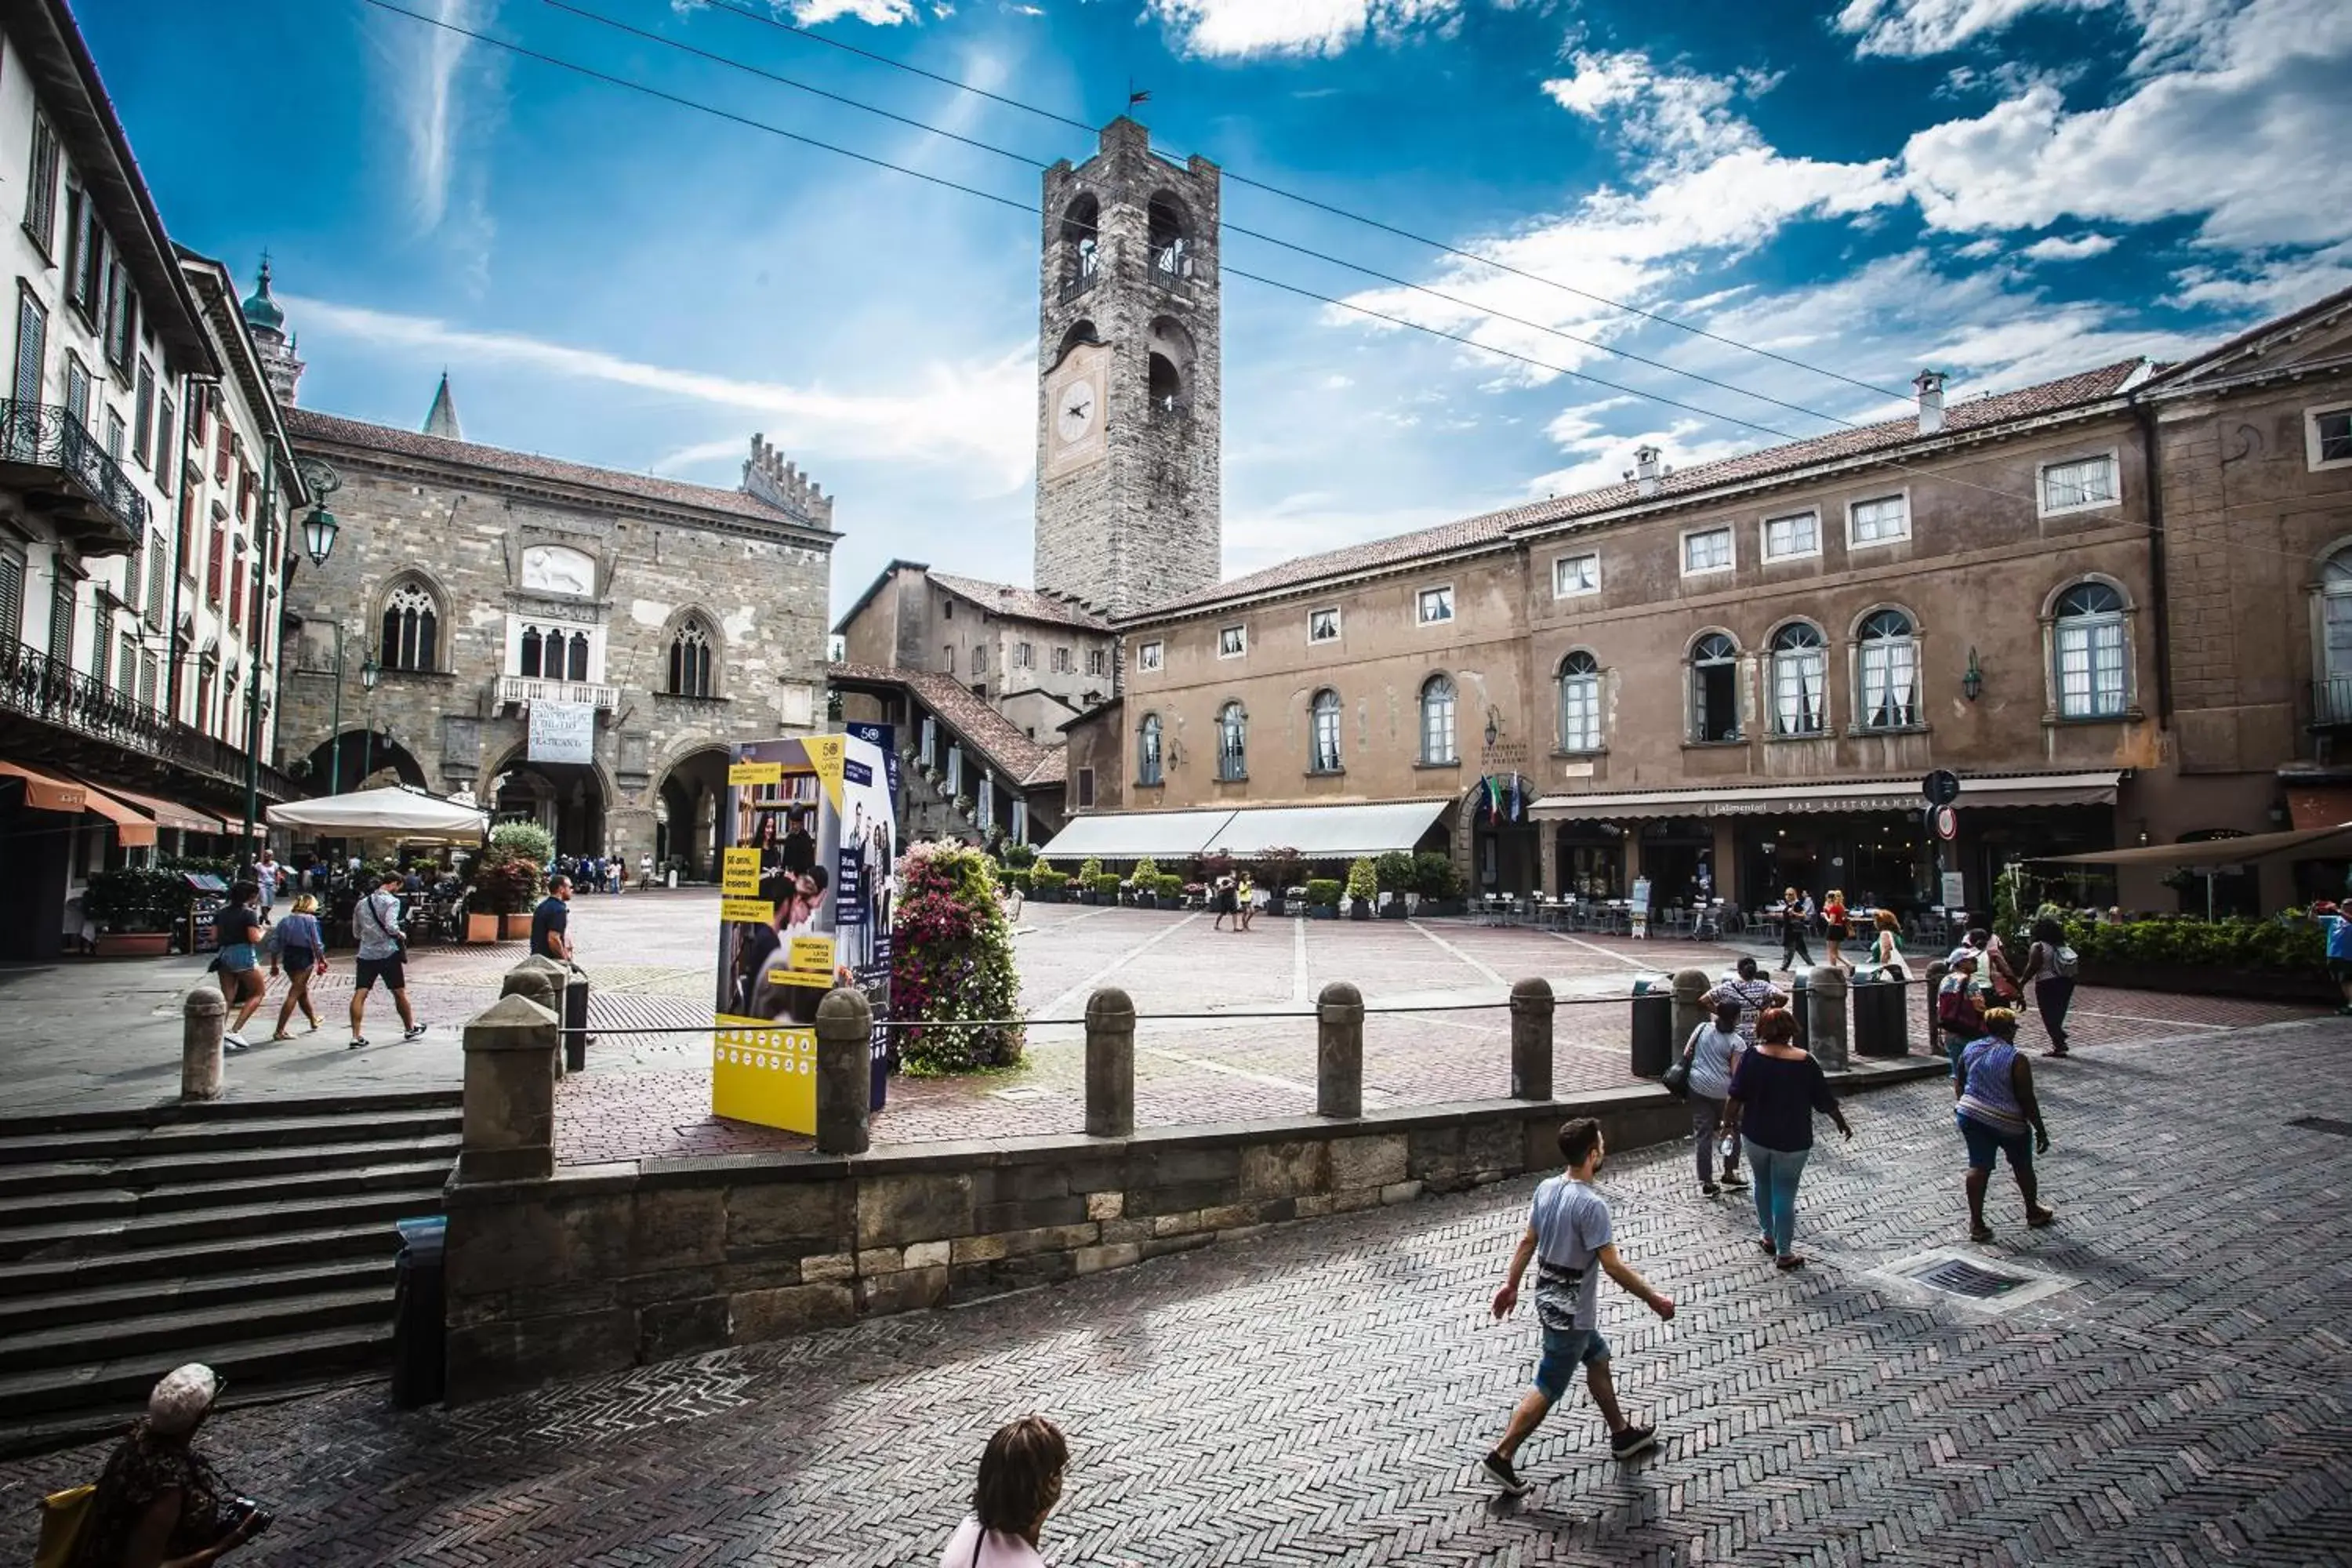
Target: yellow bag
{"x": 63, "y": 1516}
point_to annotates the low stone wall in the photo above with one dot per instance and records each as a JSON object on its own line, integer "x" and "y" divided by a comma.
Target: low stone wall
{"x": 602, "y": 1267}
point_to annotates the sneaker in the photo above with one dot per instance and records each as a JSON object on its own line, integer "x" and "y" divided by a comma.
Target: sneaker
{"x": 1503, "y": 1475}
{"x": 1734, "y": 1181}
{"x": 358, "y": 1041}
{"x": 1710, "y": 1189}
{"x": 232, "y": 1041}
{"x": 1632, "y": 1441}
{"x": 413, "y": 1032}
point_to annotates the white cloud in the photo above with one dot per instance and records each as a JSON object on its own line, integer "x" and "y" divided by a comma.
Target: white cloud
{"x": 432, "y": 113}
{"x": 876, "y": 13}
{"x": 1678, "y": 120}
{"x": 1240, "y": 28}
{"x": 1915, "y": 28}
{"x": 2266, "y": 285}
{"x": 2078, "y": 247}
{"x": 973, "y": 416}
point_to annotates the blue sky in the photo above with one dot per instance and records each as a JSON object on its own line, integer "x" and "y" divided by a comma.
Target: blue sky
{"x": 2007, "y": 190}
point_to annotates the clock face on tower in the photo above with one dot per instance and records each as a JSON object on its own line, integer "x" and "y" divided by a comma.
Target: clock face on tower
{"x": 1075, "y": 413}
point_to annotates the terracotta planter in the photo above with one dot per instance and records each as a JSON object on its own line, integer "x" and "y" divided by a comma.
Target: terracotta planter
{"x": 481, "y": 928}
{"x": 514, "y": 927}
{"x": 134, "y": 943}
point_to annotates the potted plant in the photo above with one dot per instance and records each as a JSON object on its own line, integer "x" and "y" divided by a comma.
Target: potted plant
{"x": 506, "y": 880}
{"x": 1439, "y": 884}
{"x": 1106, "y": 888}
{"x": 1046, "y": 884}
{"x": 133, "y": 908}
{"x": 1146, "y": 883}
{"x": 1363, "y": 889}
{"x": 1089, "y": 874}
{"x": 1322, "y": 897}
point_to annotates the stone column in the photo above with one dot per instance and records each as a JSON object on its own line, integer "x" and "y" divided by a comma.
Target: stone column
{"x": 1548, "y": 851}
{"x": 1339, "y": 1050}
{"x": 845, "y": 1072}
{"x": 1830, "y": 1040}
{"x": 1531, "y": 1022}
{"x": 1937, "y": 970}
{"x": 1111, "y": 1064}
{"x": 1691, "y": 986}
{"x": 510, "y": 1095}
{"x": 203, "y": 1015}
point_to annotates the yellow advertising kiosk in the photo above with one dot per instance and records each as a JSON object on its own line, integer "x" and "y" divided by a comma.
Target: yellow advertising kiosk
{"x": 809, "y": 840}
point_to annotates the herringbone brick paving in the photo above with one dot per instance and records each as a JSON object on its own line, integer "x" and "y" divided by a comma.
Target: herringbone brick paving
{"x": 1319, "y": 1394}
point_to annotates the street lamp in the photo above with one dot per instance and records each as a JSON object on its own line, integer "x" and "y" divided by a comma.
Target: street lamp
{"x": 370, "y": 672}
{"x": 318, "y": 530}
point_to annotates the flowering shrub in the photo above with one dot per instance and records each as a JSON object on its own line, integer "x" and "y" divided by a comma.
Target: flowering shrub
{"x": 951, "y": 959}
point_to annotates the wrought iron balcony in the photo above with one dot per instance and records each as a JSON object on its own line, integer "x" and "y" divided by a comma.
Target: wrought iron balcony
{"x": 514, "y": 689}
{"x": 1078, "y": 282}
{"x": 2331, "y": 701}
{"x": 1169, "y": 410}
{"x": 50, "y": 455}
{"x": 34, "y": 685}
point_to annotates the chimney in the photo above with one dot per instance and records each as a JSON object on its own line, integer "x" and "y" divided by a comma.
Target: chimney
{"x": 1930, "y": 386}
{"x": 1646, "y": 471}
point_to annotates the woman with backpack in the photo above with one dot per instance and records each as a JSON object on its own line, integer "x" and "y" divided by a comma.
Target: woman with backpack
{"x": 2050, "y": 967}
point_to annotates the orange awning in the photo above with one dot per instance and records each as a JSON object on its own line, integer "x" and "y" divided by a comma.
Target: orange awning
{"x": 134, "y": 830}
{"x": 43, "y": 792}
{"x": 170, "y": 813}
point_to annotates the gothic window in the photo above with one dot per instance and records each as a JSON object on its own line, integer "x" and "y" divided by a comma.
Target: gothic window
{"x": 530, "y": 651}
{"x": 2091, "y": 664}
{"x": 1799, "y": 678}
{"x": 1437, "y": 720}
{"x": 1580, "y": 702}
{"x": 412, "y": 627}
{"x": 2334, "y": 622}
{"x": 1715, "y": 688}
{"x": 576, "y": 663}
{"x": 1324, "y": 713}
{"x": 1146, "y": 750}
{"x": 1890, "y": 672}
{"x": 1232, "y": 742}
{"x": 689, "y": 662}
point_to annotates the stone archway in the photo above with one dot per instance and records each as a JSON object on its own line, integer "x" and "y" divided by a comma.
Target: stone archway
{"x": 568, "y": 799}
{"x": 685, "y": 813}
{"x": 368, "y": 758}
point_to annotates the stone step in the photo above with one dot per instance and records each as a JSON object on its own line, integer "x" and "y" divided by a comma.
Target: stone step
{"x": 142, "y": 1173}
{"x": 88, "y": 1237}
{"x": 122, "y": 1384}
{"x": 220, "y": 1255}
{"x": 71, "y": 1300}
{"x": 52, "y": 1147}
{"x": 174, "y": 1336}
{"x": 120, "y": 1204}
{"x": 274, "y": 1108}
{"x": 106, "y": 1421}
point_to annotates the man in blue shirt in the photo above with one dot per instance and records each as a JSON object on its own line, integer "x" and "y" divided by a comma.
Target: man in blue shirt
{"x": 2339, "y": 948}
{"x": 1569, "y": 1231}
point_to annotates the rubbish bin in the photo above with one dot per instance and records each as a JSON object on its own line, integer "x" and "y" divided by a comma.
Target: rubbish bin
{"x": 575, "y": 1022}
{"x": 418, "y": 1337}
{"x": 1880, "y": 1016}
{"x": 1800, "y": 1003}
{"x": 1653, "y": 1025}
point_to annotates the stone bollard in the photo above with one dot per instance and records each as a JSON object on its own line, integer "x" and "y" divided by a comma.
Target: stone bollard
{"x": 203, "y": 1017}
{"x": 845, "y": 1072}
{"x": 541, "y": 980}
{"x": 1937, "y": 970}
{"x": 1111, "y": 1064}
{"x": 1339, "y": 1050}
{"x": 1691, "y": 986}
{"x": 509, "y": 1099}
{"x": 1831, "y": 1043}
{"x": 1531, "y": 1024}
{"x": 574, "y": 1016}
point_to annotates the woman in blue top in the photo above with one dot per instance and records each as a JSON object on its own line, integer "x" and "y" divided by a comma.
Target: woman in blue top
{"x": 297, "y": 943}
{"x": 1996, "y": 1108}
{"x": 238, "y": 926}
{"x": 1775, "y": 1090}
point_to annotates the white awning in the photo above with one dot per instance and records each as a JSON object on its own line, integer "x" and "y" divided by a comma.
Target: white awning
{"x": 387, "y": 813}
{"x": 1328, "y": 832}
{"x": 1874, "y": 794}
{"x": 1133, "y": 834}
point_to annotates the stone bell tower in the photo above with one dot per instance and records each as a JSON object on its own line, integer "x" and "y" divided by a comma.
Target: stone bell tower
{"x": 1128, "y": 405}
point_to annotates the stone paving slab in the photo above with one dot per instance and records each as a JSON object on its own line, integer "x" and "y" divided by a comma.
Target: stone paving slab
{"x": 1319, "y": 1393}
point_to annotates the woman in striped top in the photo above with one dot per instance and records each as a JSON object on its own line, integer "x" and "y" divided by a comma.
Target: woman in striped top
{"x": 1994, "y": 1087}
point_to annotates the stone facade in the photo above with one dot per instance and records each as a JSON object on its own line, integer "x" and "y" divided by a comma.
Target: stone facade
{"x": 1128, "y": 375}
{"x": 686, "y": 617}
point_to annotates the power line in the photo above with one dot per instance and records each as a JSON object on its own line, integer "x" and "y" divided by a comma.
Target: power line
{"x": 1230, "y": 227}
{"x": 770, "y": 20}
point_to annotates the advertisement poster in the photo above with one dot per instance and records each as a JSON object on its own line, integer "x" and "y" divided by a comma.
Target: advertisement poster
{"x": 803, "y": 823}
{"x": 563, "y": 731}
{"x": 877, "y": 876}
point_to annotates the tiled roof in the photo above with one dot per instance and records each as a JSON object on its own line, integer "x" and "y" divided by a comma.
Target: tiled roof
{"x": 1959, "y": 417}
{"x": 308, "y": 424}
{"x": 1003, "y": 599}
{"x": 1005, "y": 746}
{"x": 2254, "y": 340}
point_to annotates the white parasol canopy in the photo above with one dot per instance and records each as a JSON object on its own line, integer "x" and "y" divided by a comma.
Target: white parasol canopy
{"x": 390, "y": 812}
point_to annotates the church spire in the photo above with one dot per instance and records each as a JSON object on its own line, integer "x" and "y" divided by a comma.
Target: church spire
{"x": 265, "y": 321}
{"x": 443, "y": 420}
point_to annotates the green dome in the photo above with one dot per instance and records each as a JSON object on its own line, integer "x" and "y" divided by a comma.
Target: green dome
{"x": 261, "y": 310}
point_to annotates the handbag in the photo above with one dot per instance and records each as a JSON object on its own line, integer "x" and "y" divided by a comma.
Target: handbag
{"x": 64, "y": 1516}
{"x": 1676, "y": 1079}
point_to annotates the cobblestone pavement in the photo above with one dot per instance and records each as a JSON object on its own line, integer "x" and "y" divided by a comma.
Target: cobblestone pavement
{"x": 1319, "y": 1393}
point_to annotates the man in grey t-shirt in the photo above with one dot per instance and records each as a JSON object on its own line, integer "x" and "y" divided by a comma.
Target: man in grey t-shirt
{"x": 375, "y": 924}
{"x": 1570, "y": 1239}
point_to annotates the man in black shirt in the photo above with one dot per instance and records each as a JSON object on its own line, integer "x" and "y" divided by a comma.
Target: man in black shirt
{"x": 551, "y": 935}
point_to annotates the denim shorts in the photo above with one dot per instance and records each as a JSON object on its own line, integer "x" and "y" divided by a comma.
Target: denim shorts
{"x": 1985, "y": 1144}
{"x": 1565, "y": 1349}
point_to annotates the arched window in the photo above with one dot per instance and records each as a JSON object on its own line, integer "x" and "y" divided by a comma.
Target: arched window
{"x": 1715, "y": 688}
{"x": 412, "y": 628}
{"x": 689, "y": 661}
{"x": 2093, "y": 663}
{"x": 530, "y": 650}
{"x": 1146, "y": 750}
{"x": 1890, "y": 672}
{"x": 1799, "y": 676}
{"x": 1167, "y": 386}
{"x": 1165, "y": 216}
{"x": 1323, "y": 714}
{"x": 2334, "y": 703}
{"x": 1580, "y": 702}
{"x": 1082, "y": 245}
{"x": 1437, "y": 720}
{"x": 1232, "y": 742}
